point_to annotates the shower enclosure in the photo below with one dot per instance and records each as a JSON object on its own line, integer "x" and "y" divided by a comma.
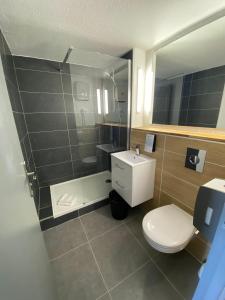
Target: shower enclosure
{"x": 76, "y": 114}
{"x": 99, "y": 97}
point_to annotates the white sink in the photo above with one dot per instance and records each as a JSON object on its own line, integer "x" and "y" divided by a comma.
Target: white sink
{"x": 131, "y": 158}
{"x": 133, "y": 176}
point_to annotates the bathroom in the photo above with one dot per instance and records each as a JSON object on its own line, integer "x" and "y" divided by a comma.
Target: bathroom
{"x": 112, "y": 150}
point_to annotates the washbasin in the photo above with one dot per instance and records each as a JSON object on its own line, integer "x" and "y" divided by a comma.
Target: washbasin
{"x": 133, "y": 176}
{"x": 131, "y": 158}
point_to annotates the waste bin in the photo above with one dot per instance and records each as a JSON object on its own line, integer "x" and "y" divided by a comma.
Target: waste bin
{"x": 119, "y": 207}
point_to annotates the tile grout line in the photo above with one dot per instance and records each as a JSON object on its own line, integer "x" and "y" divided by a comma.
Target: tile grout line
{"x": 131, "y": 274}
{"x": 96, "y": 262}
{"x": 161, "y": 176}
{"x": 155, "y": 264}
{"x": 67, "y": 252}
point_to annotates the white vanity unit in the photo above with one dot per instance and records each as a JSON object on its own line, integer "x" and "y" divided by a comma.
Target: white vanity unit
{"x": 133, "y": 176}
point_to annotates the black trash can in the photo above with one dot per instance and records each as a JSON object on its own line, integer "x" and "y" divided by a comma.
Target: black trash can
{"x": 119, "y": 207}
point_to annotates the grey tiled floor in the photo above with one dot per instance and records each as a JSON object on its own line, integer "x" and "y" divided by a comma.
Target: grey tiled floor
{"x": 97, "y": 257}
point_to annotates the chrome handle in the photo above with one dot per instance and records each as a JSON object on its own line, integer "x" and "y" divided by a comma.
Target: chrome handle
{"x": 119, "y": 185}
{"x": 119, "y": 167}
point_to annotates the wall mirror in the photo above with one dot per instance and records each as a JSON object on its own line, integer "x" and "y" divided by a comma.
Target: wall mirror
{"x": 190, "y": 78}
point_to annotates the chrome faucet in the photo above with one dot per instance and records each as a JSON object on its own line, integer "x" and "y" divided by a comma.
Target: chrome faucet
{"x": 137, "y": 149}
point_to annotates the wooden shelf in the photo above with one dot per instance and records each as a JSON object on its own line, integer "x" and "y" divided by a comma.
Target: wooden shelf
{"x": 213, "y": 134}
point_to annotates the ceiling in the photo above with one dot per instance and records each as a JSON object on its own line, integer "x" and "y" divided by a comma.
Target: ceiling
{"x": 46, "y": 28}
{"x": 199, "y": 50}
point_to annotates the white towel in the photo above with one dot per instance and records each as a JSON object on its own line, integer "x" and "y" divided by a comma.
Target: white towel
{"x": 65, "y": 200}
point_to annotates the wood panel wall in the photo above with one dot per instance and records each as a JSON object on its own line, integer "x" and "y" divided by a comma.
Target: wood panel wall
{"x": 176, "y": 184}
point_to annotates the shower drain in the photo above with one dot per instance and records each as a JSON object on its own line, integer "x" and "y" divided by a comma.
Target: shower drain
{"x": 108, "y": 181}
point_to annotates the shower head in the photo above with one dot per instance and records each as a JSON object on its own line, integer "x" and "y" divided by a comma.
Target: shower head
{"x": 70, "y": 49}
{"x": 110, "y": 76}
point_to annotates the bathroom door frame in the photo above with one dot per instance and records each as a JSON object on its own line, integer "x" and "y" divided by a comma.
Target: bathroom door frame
{"x": 212, "y": 282}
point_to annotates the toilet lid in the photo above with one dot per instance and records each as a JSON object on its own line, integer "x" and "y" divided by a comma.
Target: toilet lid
{"x": 168, "y": 226}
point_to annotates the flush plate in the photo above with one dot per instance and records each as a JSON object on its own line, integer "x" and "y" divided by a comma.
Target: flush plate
{"x": 195, "y": 159}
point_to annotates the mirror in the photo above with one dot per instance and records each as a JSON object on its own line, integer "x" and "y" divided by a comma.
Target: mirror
{"x": 190, "y": 78}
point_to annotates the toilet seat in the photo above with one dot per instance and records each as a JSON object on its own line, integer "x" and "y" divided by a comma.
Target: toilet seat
{"x": 168, "y": 228}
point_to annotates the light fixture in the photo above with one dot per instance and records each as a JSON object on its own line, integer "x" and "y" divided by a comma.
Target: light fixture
{"x": 106, "y": 99}
{"x": 99, "y": 101}
{"x": 140, "y": 89}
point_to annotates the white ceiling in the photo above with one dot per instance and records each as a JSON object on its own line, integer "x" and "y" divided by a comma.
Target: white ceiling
{"x": 199, "y": 50}
{"x": 46, "y": 28}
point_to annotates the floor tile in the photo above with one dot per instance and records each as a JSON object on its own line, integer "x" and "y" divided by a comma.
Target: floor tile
{"x": 118, "y": 254}
{"x": 99, "y": 221}
{"x": 77, "y": 276}
{"x": 105, "y": 297}
{"x": 135, "y": 226}
{"x": 181, "y": 269}
{"x": 64, "y": 237}
{"x": 147, "y": 283}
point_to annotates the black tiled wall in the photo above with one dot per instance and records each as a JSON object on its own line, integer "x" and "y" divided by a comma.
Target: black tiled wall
{"x": 61, "y": 132}
{"x": 201, "y": 97}
{"x": 17, "y": 107}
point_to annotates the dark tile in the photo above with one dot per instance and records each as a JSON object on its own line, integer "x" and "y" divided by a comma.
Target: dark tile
{"x": 85, "y": 168}
{"x": 45, "y": 213}
{"x": 14, "y": 96}
{"x": 64, "y": 237}
{"x": 77, "y": 276}
{"x": 73, "y": 137}
{"x": 82, "y": 151}
{"x": 208, "y": 85}
{"x": 210, "y": 101}
{"x": 147, "y": 283}
{"x": 45, "y": 197}
{"x": 209, "y": 72}
{"x": 51, "y": 181}
{"x": 123, "y": 137}
{"x": 51, "y": 222}
{"x": 186, "y": 88}
{"x": 65, "y": 68}
{"x": 87, "y": 135}
{"x": 51, "y": 156}
{"x": 50, "y": 173}
{"x": 182, "y": 270}
{"x": 45, "y": 140}
{"x": 203, "y": 116}
{"x": 183, "y": 117}
{"x": 66, "y": 81}
{"x": 42, "y": 102}
{"x": 37, "y": 81}
{"x": 71, "y": 120}
{"x": 46, "y": 122}
{"x": 92, "y": 207}
{"x": 135, "y": 226}
{"x": 69, "y": 103}
{"x": 27, "y": 147}
{"x": 25, "y": 157}
{"x": 20, "y": 125}
{"x": 99, "y": 221}
{"x": 31, "y": 63}
{"x": 184, "y": 103}
{"x": 118, "y": 254}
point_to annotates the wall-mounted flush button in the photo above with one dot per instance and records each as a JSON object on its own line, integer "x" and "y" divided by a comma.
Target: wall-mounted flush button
{"x": 195, "y": 159}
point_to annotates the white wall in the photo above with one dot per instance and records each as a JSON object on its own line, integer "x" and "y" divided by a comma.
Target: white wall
{"x": 24, "y": 267}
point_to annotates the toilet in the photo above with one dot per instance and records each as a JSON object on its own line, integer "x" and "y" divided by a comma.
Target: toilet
{"x": 168, "y": 228}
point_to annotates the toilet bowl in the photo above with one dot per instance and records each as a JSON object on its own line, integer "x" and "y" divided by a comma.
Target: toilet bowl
{"x": 168, "y": 228}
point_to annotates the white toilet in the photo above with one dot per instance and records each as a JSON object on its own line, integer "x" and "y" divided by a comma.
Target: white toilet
{"x": 168, "y": 228}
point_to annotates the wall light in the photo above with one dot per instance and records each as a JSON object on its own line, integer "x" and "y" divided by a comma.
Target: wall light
{"x": 99, "y": 101}
{"x": 106, "y": 99}
{"x": 140, "y": 89}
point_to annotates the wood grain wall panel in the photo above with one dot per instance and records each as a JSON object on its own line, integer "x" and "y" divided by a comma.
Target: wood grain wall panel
{"x": 176, "y": 184}
{"x": 181, "y": 190}
{"x": 174, "y": 164}
{"x": 215, "y": 151}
